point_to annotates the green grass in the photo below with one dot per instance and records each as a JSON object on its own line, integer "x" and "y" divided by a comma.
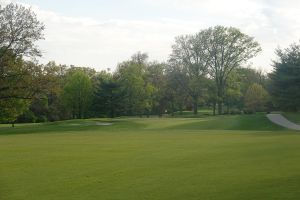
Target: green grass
{"x": 226, "y": 157}
{"x": 294, "y": 117}
{"x": 190, "y": 114}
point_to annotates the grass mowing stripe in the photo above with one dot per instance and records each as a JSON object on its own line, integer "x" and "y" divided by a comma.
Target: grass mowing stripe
{"x": 163, "y": 159}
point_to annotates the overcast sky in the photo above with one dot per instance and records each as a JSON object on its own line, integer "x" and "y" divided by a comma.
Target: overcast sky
{"x": 102, "y": 33}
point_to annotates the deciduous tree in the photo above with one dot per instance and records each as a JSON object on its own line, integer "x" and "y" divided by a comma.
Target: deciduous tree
{"x": 19, "y": 79}
{"x": 190, "y": 57}
{"x": 228, "y": 49}
{"x": 77, "y": 94}
{"x": 256, "y": 98}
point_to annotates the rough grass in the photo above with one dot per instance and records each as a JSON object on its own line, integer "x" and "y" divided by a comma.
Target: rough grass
{"x": 190, "y": 114}
{"x": 294, "y": 117}
{"x": 234, "y": 157}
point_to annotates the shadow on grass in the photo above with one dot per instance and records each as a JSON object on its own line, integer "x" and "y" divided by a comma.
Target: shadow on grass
{"x": 70, "y": 125}
{"x": 257, "y": 122}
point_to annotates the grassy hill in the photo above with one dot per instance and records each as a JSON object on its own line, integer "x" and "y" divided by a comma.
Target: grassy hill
{"x": 224, "y": 157}
{"x": 294, "y": 117}
{"x": 233, "y": 122}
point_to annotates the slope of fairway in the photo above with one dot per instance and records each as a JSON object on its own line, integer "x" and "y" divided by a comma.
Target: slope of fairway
{"x": 161, "y": 159}
{"x": 234, "y": 122}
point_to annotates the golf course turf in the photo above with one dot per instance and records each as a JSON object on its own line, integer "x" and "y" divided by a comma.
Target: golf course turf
{"x": 210, "y": 158}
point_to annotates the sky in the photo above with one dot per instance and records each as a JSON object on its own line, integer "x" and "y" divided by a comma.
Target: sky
{"x": 101, "y": 33}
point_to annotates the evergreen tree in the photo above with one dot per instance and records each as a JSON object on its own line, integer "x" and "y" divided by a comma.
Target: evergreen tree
{"x": 285, "y": 85}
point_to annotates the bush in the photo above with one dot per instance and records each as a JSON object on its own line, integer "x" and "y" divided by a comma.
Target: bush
{"x": 235, "y": 112}
{"x": 41, "y": 119}
{"x": 256, "y": 98}
{"x": 27, "y": 117}
{"x": 249, "y": 111}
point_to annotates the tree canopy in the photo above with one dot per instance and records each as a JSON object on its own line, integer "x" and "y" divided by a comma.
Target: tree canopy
{"x": 286, "y": 78}
{"x": 77, "y": 94}
{"x": 19, "y": 31}
{"x": 20, "y": 80}
{"x": 204, "y": 70}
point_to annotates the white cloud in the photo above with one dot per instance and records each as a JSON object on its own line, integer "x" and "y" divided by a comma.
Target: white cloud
{"x": 101, "y": 44}
{"x": 4, "y": 2}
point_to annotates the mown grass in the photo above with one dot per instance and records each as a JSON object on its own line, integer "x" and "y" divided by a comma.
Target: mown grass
{"x": 233, "y": 157}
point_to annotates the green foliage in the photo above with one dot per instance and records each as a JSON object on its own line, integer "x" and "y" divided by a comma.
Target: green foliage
{"x": 248, "y": 76}
{"x": 27, "y": 117}
{"x": 285, "y": 85}
{"x": 204, "y": 70}
{"x": 228, "y": 49}
{"x": 256, "y": 98}
{"x": 19, "y": 79}
{"x": 10, "y": 109}
{"x": 53, "y": 109}
{"x": 77, "y": 94}
{"x": 189, "y": 58}
{"x": 17, "y": 86}
{"x": 16, "y": 79}
{"x": 216, "y": 51}
{"x": 109, "y": 98}
{"x": 20, "y": 30}
{"x": 233, "y": 93}
{"x": 131, "y": 75}
{"x": 175, "y": 94}
{"x": 156, "y": 81}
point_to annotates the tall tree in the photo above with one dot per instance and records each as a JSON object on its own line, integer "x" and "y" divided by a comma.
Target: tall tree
{"x": 248, "y": 76}
{"x": 19, "y": 80}
{"x": 77, "y": 94}
{"x": 48, "y": 105}
{"x": 19, "y": 31}
{"x": 175, "y": 93}
{"x": 109, "y": 98}
{"x": 155, "y": 77}
{"x": 132, "y": 77}
{"x": 228, "y": 48}
{"x": 285, "y": 85}
{"x": 233, "y": 93}
{"x": 190, "y": 57}
{"x": 256, "y": 98}
{"x": 18, "y": 85}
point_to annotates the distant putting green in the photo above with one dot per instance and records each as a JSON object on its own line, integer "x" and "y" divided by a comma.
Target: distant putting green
{"x": 211, "y": 158}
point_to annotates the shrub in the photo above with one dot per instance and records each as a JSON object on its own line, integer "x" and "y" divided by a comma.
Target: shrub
{"x": 27, "y": 117}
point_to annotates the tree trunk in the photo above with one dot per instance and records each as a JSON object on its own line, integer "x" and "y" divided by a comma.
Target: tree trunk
{"x": 80, "y": 111}
{"x": 181, "y": 108}
{"x": 195, "y": 105}
{"x": 172, "y": 109}
{"x": 74, "y": 111}
{"x": 111, "y": 107}
{"x": 220, "y": 98}
{"x": 228, "y": 108}
{"x": 112, "y": 112}
{"x": 214, "y": 108}
{"x": 220, "y": 107}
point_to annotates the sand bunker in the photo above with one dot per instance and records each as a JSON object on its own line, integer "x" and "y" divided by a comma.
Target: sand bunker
{"x": 103, "y": 124}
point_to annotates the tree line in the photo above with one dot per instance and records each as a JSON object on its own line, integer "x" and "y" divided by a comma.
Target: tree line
{"x": 204, "y": 70}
